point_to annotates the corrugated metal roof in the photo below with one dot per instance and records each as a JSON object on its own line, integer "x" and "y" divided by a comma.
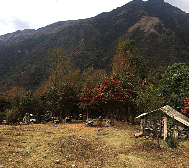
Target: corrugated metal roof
{"x": 142, "y": 115}
{"x": 176, "y": 115}
{"x": 172, "y": 113}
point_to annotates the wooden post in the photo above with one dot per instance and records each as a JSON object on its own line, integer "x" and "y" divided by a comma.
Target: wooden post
{"x": 145, "y": 123}
{"x": 175, "y": 132}
{"x": 160, "y": 127}
{"x": 165, "y": 127}
{"x": 142, "y": 125}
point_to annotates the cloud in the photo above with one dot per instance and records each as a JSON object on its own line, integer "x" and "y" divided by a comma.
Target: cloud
{"x": 3, "y": 22}
{"x": 19, "y": 24}
{"x": 182, "y": 4}
{"x": 5, "y": 27}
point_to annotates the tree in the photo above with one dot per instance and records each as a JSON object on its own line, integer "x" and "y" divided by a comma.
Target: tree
{"x": 148, "y": 98}
{"x": 140, "y": 66}
{"x": 55, "y": 59}
{"x": 4, "y": 105}
{"x": 122, "y": 61}
{"x": 60, "y": 67}
{"x": 185, "y": 109}
{"x": 127, "y": 60}
{"x": 114, "y": 94}
{"x": 95, "y": 76}
{"x": 62, "y": 70}
{"x": 12, "y": 115}
{"x": 29, "y": 104}
{"x": 174, "y": 85}
{"x": 68, "y": 99}
{"x": 51, "y": 100}
{"x": 44, "y": 86}
{"x": 86, "y": 97}
{"x": 16, "y": 93}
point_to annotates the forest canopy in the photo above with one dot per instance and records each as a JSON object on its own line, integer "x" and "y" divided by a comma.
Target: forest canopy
{"x": 121, "y": 93}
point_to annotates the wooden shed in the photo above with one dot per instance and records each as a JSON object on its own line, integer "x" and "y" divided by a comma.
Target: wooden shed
{"x": 164, "y": 122}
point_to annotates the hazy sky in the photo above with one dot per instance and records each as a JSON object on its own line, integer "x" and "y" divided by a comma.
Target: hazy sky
{"x": 33, "y": 14}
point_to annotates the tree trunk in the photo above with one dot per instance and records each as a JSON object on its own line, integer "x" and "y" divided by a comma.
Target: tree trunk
{"x": 133, "y": 115}
{"x": 61, "y": 115}
{"x": 87, "y": 113}
{"x": 126, "y": 114}
{"x": 112, "y": 118}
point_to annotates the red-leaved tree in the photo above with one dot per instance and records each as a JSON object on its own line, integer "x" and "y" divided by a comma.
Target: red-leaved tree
{"x": 114, "y": 94}
{"x": 186, "y": 106}
{"x": 86, "y": 97}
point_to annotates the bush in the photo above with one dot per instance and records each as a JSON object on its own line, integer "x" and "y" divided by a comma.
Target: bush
{"x": 1, "y": 117}
{"x": 12, "y": 115}
{"x": 172, "y": 142}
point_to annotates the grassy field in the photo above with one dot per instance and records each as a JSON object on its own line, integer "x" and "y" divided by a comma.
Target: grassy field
{"x": 74, "y": 145}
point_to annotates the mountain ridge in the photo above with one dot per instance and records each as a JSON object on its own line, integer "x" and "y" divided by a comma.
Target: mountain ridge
{"x": 161, "y": 32}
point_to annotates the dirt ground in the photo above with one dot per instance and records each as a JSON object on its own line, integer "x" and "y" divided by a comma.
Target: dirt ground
{"x": 75, "y": 145}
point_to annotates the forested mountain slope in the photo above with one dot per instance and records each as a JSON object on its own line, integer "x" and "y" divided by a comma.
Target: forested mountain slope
{"x": 161, "y": 32}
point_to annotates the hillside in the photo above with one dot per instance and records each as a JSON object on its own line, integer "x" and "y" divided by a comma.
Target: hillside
{"x": 161, "y": 32}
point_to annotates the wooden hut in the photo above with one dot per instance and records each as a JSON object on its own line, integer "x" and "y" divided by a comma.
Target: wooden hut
{"x": 164, "y": 122}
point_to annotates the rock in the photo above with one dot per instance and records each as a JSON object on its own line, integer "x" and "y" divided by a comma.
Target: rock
{"x": 57, "y": 161}
{"x": 99, "y": 129}
{"x": 89, "y": 123}
{"x": 182, "y": 136}
{"x": 108, "y": 124}
{"x": 138, "y": 134}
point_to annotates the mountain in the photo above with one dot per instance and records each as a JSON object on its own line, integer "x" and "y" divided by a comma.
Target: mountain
{"x": 161, "y": 32}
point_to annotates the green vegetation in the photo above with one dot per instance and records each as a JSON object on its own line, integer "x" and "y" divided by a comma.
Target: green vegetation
{"x": 160, "y": 31}
{"x": 121, "y": 95}
{"x": 174, "y": 85}
{"x": 76, "y": 69}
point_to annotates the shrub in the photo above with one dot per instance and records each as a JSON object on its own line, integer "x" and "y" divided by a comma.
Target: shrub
{"x": 172, "y": 142}
{"x": 1, "y": 117}
{"x": 12, "y": 115}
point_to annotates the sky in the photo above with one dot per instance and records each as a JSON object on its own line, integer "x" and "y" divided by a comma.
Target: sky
{"x": 33, "y": 14}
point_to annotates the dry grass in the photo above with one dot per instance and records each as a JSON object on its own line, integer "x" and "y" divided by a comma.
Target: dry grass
{"x": 74, "y": 145}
